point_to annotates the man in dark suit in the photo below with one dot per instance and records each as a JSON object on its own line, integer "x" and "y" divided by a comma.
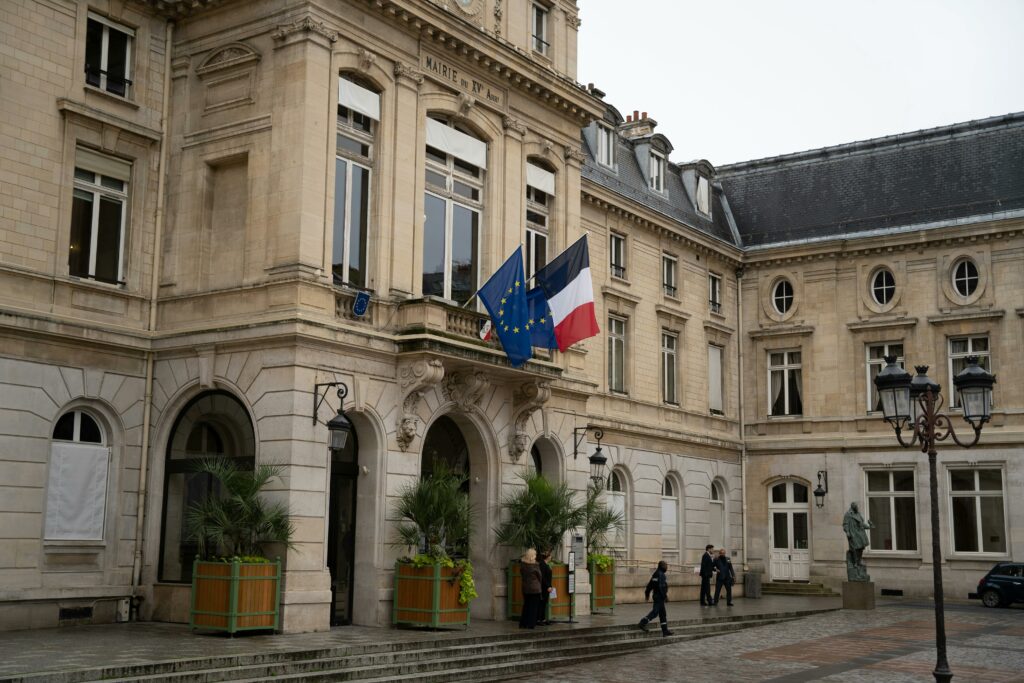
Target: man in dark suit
{"x": 725, "y": 577}
{"x": 707, "y": 570}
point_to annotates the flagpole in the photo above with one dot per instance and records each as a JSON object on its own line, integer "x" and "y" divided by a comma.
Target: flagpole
{"x": 466, "y": 305}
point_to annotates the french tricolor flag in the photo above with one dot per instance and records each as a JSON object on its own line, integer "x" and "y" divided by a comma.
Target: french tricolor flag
{"x": 569, "y": 291}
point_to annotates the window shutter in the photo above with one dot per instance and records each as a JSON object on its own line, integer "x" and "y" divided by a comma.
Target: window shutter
{"x": 540, "y": 179}
{"x": 715, "y": 378}
{"x": 76, "y": 498}
{"x": 102, "y": 164}
{"x": 456, "y": 143}
{"x": 358, "y": 98}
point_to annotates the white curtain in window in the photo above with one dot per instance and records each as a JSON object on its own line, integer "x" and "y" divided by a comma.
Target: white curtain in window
{"x": 77, "y": 495}
{"x": 358, "y": 98}
{"x": 540, "y": 179}
{"x": 617, "y": 503}
{"x": 715, "y": 378}
{"x": 703, "y": 195}
{"x": 669, "y": 526}
{"x": 456, "y": 143}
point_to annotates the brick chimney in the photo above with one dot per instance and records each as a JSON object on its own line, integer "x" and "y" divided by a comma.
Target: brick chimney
{"x": 637, "y": 125}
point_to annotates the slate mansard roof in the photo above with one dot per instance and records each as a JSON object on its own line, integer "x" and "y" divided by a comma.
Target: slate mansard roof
{"x": 931, "y": 176}
{"x": 940, "y": 175}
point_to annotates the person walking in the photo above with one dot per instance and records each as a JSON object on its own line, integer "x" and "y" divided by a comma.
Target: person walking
{"x": 529, "y": 570}
{"x": 724, "y": 576}
{"x": 545, "y": 587}
{"x": 657, "y": 588}
{"x": 707, "y": 570}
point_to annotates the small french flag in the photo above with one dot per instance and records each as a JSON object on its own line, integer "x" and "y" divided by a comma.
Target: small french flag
{"x": 569, "y": 291}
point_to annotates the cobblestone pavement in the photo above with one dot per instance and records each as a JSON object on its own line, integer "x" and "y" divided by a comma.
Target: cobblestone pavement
{"x": 892, "y": 644}
{"x": 83, "y": 647}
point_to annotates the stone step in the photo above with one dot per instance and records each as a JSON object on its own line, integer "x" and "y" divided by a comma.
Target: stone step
{"x": 412, "y": 658}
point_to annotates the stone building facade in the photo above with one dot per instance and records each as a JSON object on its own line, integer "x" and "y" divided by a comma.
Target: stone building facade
{"x": 193, "y": 193}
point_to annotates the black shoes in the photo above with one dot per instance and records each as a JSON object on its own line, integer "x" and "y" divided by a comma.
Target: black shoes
{"x": 643, "y": 625}
{"x": 666, "y": 634}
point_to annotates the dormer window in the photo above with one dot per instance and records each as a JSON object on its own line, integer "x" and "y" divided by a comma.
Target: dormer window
{"x": 605, "y": 146}
{"x": 703, "y": 196}
{"x": 657, "y": 169}
{"x": 539, "y": 24}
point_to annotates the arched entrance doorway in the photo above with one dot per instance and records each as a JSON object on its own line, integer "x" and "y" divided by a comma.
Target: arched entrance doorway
{"x": 341, "y": 529}
{"x": 789, "y": 532}
{"x": 457, "y": 441}
{"x": 214, "y": 424}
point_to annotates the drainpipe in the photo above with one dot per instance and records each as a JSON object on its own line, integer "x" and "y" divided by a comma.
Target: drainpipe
{"x": 154, "y": 286}
{"x": 743, "y": 437}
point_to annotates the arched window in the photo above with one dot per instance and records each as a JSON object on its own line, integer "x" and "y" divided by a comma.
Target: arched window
{"x": 76, "y": 495}
{"x": 358, "y": 114}
{"x": 453, "y": 208}
{"x": 212, "y": 425}
{"x": 536, "y": 462}
{"x": 615, "y": 494}
{"x": 669, "y": 518}
{"x": 717, "y": 529}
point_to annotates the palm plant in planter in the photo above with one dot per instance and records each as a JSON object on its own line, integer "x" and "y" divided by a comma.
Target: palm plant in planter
{"x": 434, "y": 587}
{"x": 234, "y": 587}
{"x": 537, "y": 516}
{"x": 600, "y": 522}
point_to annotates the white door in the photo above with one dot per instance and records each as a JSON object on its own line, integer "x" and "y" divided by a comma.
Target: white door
{"x": 789, "y": 555}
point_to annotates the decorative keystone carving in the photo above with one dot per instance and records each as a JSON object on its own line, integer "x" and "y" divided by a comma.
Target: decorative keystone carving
{"x": 366, "y": 60}
{"x": 466, "y": 102}
{"x": 547, "y": 148}
{"x": 497, "y": 18}
{"x": 306, "y": 25}
{"x": 465, "y": 388}
{"x": 413, "y": 379}
{"x": 514, "y": 125}
{"x": 574, "y": 21}
{"x": 530, "y": 397}
{"x": 404, "y": 71}
{"x": 574, "y": 154}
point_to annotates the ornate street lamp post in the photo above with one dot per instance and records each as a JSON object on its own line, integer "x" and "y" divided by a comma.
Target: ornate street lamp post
{"x": 914, "y": 404}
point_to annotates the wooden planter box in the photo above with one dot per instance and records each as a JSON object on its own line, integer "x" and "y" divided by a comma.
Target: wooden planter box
{"x": 428, "y": 597}
{"x": 559, "y": 609}
{"x": 602, "y": 589}
{"x": 235, "y": 596}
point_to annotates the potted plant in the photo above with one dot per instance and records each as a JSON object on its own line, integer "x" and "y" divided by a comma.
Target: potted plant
{"x": 600, "y": 522}
{"x": 537, "y": 516}
{"x": 434, "y": 587}
{"x": 234, "y": 587}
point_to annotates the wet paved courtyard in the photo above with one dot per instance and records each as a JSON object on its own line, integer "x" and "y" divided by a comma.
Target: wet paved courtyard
{"x": 892, "y": 644}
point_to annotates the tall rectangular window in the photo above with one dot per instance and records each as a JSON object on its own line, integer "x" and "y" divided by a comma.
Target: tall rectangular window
{"x": 540, "y": 189}
{"x": 959, "y": 349}
{"x": 539, "y": 24}
{"x": 875, "y": 363}
{"x": 715, "y": 292}
{"x": 358, "y": 113}
{"x": 669, "y": 266}
{"x": 98, "y": 215}
{"x": 616, "y": 354}
{"x": 784, "y": 383}
{"x": 453, "y": 206}
{"x": 108, "y": 55}
{"x": 669, "y": 372}
{"x": 893, "y": 510}
{"x": 617, "y": 255}
{"x": 715, "y": 403}
{"x": 657, "y": 169}
{"x": 976, "y": 498}
{"x": 605, "y": 145}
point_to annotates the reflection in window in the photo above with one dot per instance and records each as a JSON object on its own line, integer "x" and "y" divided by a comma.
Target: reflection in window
{"x": 979, "y": 525}
{"x": 784, "y": 383}
{"x": 892, "y": 510}
{"x": 358, "y": 111}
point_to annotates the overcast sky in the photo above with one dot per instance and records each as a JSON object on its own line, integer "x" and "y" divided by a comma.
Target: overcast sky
{"x": 731, "y": 80}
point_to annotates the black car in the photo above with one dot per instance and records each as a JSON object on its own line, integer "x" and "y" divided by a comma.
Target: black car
{"x": 1003, "y": 585}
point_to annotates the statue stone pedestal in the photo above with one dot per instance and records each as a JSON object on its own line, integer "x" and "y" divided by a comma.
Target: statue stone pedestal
{"x": 858, "y": 595}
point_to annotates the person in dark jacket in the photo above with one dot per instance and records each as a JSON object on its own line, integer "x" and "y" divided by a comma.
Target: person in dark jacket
{"x": 529, "y": 570}
{"x": 707, "y": 570}
{"x": 724, "y": 576}
{"x": 545, "y": 586}
{"x": 658, "y": 588}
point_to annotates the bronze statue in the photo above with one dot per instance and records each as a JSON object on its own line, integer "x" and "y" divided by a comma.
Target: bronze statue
{"x": 856, "y": 534}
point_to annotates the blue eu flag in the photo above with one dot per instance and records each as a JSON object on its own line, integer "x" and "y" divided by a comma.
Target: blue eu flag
{"x": 542, "y": 327}
{"x": 504, "y": 296}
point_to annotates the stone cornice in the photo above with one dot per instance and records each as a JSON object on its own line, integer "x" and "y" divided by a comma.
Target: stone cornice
{"x": 671, "y": 313}
{"x": 718, "y": 327}
{"x": 660, "y": 228}
{"x": 965, "y": 316}
{"x": 782, "y": 331}
{"x": 880, "y": 324}
{"x": 67, "y": 106}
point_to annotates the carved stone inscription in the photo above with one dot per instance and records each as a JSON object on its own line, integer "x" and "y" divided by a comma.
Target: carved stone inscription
{"x": 445, "y": 72}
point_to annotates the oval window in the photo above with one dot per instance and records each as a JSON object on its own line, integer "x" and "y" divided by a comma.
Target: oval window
{"x": 883, "y": 286}
{"x": 782, "y": 296}
{"x": 965, "y": 277}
